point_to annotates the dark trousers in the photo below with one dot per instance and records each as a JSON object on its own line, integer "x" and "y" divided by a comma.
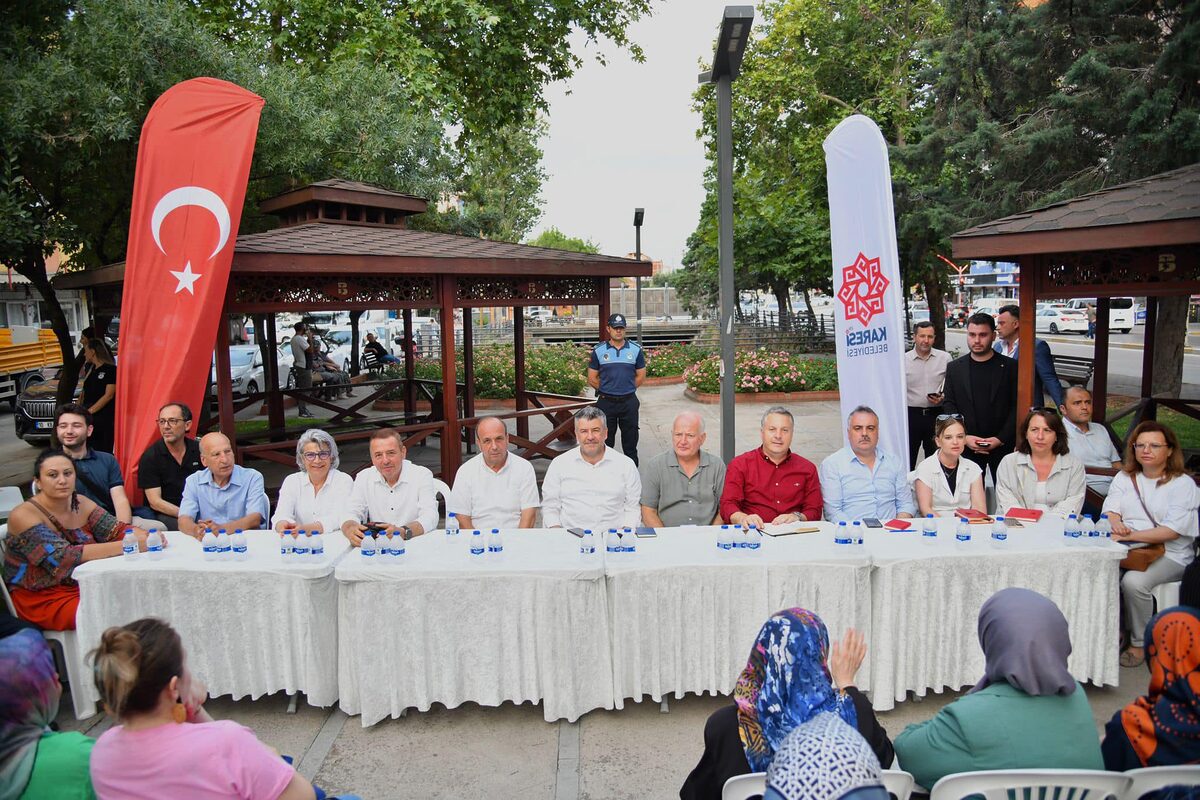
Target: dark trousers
{"x": 920, "y": 432}
{"x": 621, "y": 412}
{"x": 989, "y": 460}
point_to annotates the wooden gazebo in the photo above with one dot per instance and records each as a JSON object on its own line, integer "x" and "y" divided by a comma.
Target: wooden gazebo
{"x": 1137, "y": 239}
{"x": 345, "y": 246}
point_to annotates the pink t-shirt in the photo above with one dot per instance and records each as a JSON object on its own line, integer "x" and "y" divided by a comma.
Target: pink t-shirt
{"x": 209, "y": 760}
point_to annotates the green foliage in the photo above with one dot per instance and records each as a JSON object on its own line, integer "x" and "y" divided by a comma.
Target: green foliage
{"x": 672, "y": 359}
{"x": 557, "y": 240}
{"x": 764, "y": 370}
{"x": 556, "y": 369}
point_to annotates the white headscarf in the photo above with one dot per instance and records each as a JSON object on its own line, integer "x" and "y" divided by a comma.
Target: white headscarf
{"x": 823, "y": 759}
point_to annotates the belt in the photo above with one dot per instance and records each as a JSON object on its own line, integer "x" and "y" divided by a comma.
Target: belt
{"x": 615, "y": 396}
{"x": 925, "y": 412}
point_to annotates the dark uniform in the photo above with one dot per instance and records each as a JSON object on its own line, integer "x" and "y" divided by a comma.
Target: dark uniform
{"x": 617, "y": 396}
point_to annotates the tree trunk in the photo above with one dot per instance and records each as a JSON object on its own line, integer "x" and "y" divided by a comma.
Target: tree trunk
{"x": 783, "y": 298}
{"x": 1169, "y": 338}
{"x": 33, "y": 267}
{"x": 812, "y": 315}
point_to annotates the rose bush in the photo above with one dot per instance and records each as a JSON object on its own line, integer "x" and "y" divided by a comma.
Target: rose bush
{"x": 557, "y": 369}
{"x": 672, "y": 359}
{"x": 765, "y": 370}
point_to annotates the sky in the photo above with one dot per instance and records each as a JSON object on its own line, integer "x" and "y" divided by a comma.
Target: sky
{"x": 623, "y": 135}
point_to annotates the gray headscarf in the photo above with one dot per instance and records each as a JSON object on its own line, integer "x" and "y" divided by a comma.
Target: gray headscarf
{"x": 1025, "y": 642}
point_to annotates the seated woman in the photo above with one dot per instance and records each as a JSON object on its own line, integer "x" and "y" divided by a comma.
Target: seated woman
{"x": 316, "y": 498}
{"x": 50, "y": 535}
{"x": 1041, "y": 474}
{"x": 1027, "y": 712}
{"x": 946, "y": 481}
{"x": 825, "y": 759}
{"x": 785, "y": 683}
{"x": 36, "y": 762}
{"x": 1162, "y": 727}
{"x": 145, "y": 685}
{"x": 1153, "y": 501}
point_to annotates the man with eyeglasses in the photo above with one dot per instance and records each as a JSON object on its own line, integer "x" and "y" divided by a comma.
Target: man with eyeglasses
{"x": 683, "y": 485}
{"x": 166, "y": 464}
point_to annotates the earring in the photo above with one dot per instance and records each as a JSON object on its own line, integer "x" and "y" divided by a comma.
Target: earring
{"x": 179, "y": 713}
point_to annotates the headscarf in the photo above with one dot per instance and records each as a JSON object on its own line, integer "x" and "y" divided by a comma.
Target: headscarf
{"x": 1025, "y": 643}
{"x": 29, "y": 695}
{"x": 1163, "y": 725}
{"x": 824, "y": 759}
{"x": 785, "y": 683}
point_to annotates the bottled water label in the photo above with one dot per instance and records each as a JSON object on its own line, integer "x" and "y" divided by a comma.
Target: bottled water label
{"x": 477, "y": 546}
{"x": 129, "y": 545}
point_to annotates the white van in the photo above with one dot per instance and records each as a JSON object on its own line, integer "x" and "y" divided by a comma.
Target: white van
{"x": 1121, "y": 311}
{"x": 991, "y": 305}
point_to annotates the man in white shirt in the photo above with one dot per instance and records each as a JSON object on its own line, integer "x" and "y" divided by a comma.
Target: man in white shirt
{"x": 593, "y": 486}
{"x": 1090, "y": 443}
{"x": 495, "y": 489}
{"x": 393, "y": 492}
{"x": 925, "y": 376}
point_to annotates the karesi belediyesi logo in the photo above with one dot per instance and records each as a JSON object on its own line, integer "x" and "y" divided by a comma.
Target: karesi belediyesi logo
{"x": 863, "y": 287}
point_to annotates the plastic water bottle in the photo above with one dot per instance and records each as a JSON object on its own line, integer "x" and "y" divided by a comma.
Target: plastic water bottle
{"x": 300, "y": 549}
{"x": 1104, "y": 528}
{"x": 495, "y": 543}
{"x": 477, "y": 546}
{"x": 628, "y": 541}
{"x": 317, "y": 548}
{"x": 754, "y": 539}
{"x": 1087, "y": 530}
{"x": 208, "y": 544}
{"x": 155, "y": 544}
{"x": 397, "y": 547}
{"x": 611, "y": 543}
{"x": 368, "y": 547}
{"x": 962, "y": 534}
{"x": 856, "y": 533}
{"x": 999, "y": 533}
{"x": 240, "y": 551}
{"x": 929, "y": 530}
{"x": 286, "y": 547}
{"x": 587, "y": 543}
{"x": 725, "y": 538}
{"x": 129, "y": 545}
{"x": 842, "y": 534}
{"x": 1071, "y": 530}
{"x": 224, "y": 546}
{"x": 452, "y": 528}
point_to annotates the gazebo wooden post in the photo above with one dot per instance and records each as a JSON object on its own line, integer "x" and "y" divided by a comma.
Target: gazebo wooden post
{"x": 1149, "y": 411}
{"x": 468, "y": 367}
{"x": 1100, "y": 362}
{"x": 451, "y": 442}
{"x": 605, "y": 306}
{"x": 1031, "y": 268}
{"x": 410, "y": 368}
{"x": 225, "y": 382}
{"x": 275, "y": 417}
{"x": 519, "y": 369}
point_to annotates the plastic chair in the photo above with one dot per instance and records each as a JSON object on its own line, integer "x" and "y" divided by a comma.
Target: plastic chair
{"x": 898, "y": 783}
{"x": 1000, "y": 784}
{"x": 443, "y": 491}
{"x": 1147, "y": 779}
{"x": 10, "y": 498}
{"x": 1166, "y": 595}
{"x": 743, "y": 787}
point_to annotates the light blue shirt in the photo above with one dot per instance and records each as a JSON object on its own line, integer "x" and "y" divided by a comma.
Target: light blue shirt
{"x": 851, "y": 491}
{"x": 203, "y": 499}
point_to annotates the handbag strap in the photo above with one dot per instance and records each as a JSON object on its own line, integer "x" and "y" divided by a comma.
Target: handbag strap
{"x": 1138, "y": 492}
{"x": 62, "y": 529}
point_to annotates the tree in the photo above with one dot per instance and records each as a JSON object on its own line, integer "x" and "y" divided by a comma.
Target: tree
{"x": 557, "y": 240}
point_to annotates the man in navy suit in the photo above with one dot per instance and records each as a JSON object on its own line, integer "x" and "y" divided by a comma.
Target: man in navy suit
{"x": 1008, "y": 329}
{"x": 981, "y": 389}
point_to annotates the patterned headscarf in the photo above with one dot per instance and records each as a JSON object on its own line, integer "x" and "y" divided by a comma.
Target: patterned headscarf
{"x": 29, "y": 695}
{"x": 785, "y": 683}
{"x": 1163, "y": 725}
{"x": 823, "y": 759}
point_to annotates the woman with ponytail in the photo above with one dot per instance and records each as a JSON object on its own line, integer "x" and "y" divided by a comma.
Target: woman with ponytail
{"x": 165, "y": 744}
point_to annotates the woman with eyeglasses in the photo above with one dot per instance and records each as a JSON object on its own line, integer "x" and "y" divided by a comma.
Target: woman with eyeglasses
{"x": 1152, "y": 500}
{"x": 314, "y": 498}
{"x": 946, "y": 481}
{"x": 1041, "y": 474}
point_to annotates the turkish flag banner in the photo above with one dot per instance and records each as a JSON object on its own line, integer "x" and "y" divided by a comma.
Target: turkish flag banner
{"x": 192, "y": 168}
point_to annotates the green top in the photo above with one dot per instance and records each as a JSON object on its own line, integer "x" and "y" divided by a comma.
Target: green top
{"x": 1001, "y": 727}
{"x": 60, "y": 769}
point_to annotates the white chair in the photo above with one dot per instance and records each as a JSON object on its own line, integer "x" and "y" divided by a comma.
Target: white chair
{"x": 743, "y": 787}
{"x": 1148, "y": 779}
{"x": 443, "y": 491}
{"x": 1077, "y": 784}
{"x": 1166, "y": 595}
{"x": 898, "y": 783}
{"x": 10, "y": 498}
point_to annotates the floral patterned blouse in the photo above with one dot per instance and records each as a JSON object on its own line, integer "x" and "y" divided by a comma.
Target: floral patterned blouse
{"x": 42, "y": 557}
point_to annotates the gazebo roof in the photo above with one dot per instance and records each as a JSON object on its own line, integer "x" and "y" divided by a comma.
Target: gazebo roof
{"x": 1162, "y": 209}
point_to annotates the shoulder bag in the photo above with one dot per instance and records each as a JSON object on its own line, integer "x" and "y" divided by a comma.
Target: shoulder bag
{"x": 1139, "y": 559}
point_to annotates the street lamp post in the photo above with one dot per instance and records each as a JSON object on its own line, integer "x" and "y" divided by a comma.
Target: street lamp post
{"x": 639, "y": 214}
{"x": 727, "y": 61}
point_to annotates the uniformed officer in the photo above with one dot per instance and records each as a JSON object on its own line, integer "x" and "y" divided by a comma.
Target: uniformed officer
{"x": 617, "y": 368}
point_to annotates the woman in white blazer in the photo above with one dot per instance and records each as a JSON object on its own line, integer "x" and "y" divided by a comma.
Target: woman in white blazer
{"x": 1041, "y": 473}
{"x": 946, "y": 481}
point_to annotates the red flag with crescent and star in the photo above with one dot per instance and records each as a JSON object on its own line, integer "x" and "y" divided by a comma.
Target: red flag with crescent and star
{"x": 192, "y": 168}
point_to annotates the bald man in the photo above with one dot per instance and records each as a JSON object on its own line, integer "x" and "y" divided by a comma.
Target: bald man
{"x": 495, "y": 489}
{"x": 223, "y": 494}
{"x": 683, "y": 486}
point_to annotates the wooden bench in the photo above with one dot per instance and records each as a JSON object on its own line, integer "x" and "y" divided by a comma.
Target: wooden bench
{"x": 1074, "y": 370}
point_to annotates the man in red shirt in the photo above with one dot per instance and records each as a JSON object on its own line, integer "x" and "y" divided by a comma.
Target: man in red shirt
{"x": 771, "y": 484}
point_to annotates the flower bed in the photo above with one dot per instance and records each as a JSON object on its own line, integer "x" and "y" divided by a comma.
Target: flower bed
{"x": 764, "y": 370}
{"x": 557, "y": 369}
{"x": 670, "y": 361}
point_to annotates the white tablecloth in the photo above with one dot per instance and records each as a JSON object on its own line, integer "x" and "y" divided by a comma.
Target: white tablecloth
{"x": 926, "y": 600}
{"x": 684, "y": 614}
{"x": 446, "y": 627}
{"x": 249, "y": 628}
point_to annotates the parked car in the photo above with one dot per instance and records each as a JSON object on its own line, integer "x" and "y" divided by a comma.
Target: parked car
{"x": 33, "y": 416}
{"x": 246, "y": 369}
{"x": 1061, "y": 320}
{"x": 539, "y": 316}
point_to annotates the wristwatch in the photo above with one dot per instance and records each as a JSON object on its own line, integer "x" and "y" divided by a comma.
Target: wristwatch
{"x": 408, "y": 532}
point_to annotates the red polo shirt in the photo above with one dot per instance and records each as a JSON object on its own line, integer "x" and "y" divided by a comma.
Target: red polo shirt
{"x": 754, "y": 484}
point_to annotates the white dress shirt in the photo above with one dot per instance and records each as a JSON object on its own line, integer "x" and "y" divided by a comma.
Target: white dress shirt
{"x": 1173, "y": 506}
{"x": 607, "y": 494}
{"x": 1095, "y": 449}
{"x": 412, "y": 498}
{"x": 494, "y": 499}
{"x": 924, "y": 376}
{"x": 299, "y": 504}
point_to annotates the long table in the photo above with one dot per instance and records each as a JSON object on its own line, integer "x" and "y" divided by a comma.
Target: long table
{"x": 249, "y": 628}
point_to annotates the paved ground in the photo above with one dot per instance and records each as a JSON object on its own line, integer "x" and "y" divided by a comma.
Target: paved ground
{"x": 510, "y": 751}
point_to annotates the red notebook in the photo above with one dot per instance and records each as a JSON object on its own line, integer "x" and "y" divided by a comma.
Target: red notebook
{"x": 897, "y": 525}
{"x": 971, "y": 515}
{"x": 1024, "y": 514}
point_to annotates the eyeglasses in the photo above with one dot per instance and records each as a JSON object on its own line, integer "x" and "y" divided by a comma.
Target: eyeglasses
{"x": 170, "y": 421}
{"x": 1150, "y": 446}
{"x": 319, "y": 455}
{"x": 944, "y": 417}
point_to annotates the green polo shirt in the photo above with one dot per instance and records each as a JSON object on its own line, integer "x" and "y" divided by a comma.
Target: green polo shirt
{"x": 60, "y": 768}
{"x": 681, "y": 500}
